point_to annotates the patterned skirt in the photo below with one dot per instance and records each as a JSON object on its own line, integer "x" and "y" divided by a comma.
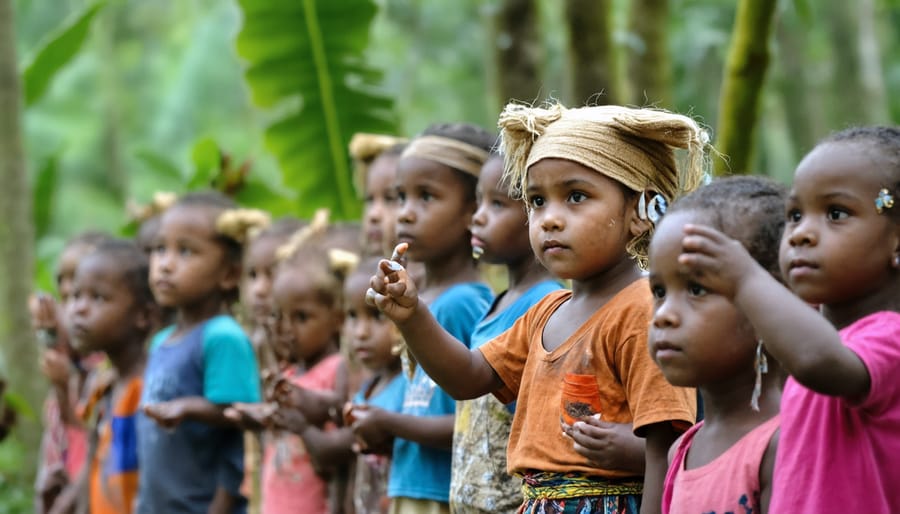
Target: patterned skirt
{"x": 574, "y": 493}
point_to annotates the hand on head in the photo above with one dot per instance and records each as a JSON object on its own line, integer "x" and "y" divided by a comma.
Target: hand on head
{"x": 722, "y": 263}
{"x": 391, "y": 288}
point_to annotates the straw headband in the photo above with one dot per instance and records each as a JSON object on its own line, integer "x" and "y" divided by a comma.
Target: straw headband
{"x": 449, "y": 152}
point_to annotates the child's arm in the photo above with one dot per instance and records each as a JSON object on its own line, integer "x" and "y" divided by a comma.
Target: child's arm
{"x": 608, "y": 445}
{"x": 327, "y": 448}
{"x": 805, "y": 343}
{"x": 374, "y": 425}
{"x": 194, "y": 408}
{"x": 659, "y": 437}
{"x": 463, "y": 373}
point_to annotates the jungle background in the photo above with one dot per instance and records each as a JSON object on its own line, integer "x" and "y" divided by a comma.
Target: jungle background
{"x": 104, "y": 103}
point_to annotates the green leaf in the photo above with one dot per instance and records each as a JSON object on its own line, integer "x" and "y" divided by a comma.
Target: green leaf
{"x": 19, "y": 404}
{"x": 306, "y": 58}
{"x": 257, "y": 194}
{"x": 804, "y": 11}
{"x": 56, "y": 51}
{"x": 44, "y": 195}
{"x": 207, "y": 160}
{"x": 160, "y": 164}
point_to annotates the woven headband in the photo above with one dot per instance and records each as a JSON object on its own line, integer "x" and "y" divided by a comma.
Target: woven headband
{"x": 449, "y": 152}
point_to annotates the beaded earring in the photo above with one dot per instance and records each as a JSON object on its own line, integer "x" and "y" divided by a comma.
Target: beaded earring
{"x": 884, "y": 200}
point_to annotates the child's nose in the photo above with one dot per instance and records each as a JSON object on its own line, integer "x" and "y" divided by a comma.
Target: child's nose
{"x": 802, "y": 234}
{"x": 551, "y": 219}
{"x": 665, "y": 316}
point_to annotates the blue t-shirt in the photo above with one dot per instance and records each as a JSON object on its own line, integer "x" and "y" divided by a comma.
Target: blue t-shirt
{"x": 488, "y": 329}
{"x": 419, "y": 471}
{"x": 390, "y": 398}
{"x": 182, "y": 468}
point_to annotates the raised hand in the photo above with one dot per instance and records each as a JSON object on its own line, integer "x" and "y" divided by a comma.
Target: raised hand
{"x": 717, "y": 261}
{"x": 392, "y": 290}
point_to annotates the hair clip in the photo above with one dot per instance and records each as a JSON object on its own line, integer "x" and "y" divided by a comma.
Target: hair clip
{"x": 884, "y": 200}
{"x": 652, "y": 210}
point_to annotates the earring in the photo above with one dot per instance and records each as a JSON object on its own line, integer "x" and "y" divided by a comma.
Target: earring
{"x": 884, "y": 200}
{"x": 397, "y": 348}
{"x": 761, "y": 364}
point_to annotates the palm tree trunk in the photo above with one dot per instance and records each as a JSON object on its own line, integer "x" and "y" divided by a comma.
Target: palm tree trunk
{"x": 649, "y": 67}
{"x": 517, "y": 51}
{"x": 19, "y": 352}
{"x": 745, "y": 70}
{"x": 591, "y": 53}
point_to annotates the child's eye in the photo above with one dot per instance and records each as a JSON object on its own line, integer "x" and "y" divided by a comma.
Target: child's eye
{"x": 185, "y": 251}
{"x": 389, "y": 198}
{"x": 837, "y": 214}
{"x": 368, "y": 199}
{"x": 301, "y": 316}
{"x": 794, "y": 216}
{"x": 577, "y": 197}
{"x": 696, "y": 290}
{"x": 497, "y": 204}
{"x": 350, "y": 314}
{"x": 536, "y": 201}
{"x": 658, "y": 292}
{"x": 401, "y": 196}
{"x": 426, "y": 196}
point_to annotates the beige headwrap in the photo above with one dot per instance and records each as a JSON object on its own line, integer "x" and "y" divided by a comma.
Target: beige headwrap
{"x": 633, "y": 146}
{"x": 449, "y": 152}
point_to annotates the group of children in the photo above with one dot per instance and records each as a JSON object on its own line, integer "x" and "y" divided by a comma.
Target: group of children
{"x": 635, "y": 288}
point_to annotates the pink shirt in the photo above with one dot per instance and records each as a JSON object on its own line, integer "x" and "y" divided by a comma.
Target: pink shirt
{"x": 289, "y": 483}
{"x": 837, "y": 457}
{"x": 730, "y": 483}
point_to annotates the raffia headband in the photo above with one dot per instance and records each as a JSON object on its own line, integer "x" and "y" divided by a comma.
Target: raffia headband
{"x": 449, "y": 152}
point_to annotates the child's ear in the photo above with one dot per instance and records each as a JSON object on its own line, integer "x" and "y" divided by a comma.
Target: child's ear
{"x": 636, "y": 225}
{"x": 231, "y": 279}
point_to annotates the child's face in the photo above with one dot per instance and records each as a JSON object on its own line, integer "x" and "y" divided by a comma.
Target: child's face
{"x": 188, "y": 264}
{"x": 102, "y": 312}
{"x": 435, "y": 209}
{"x": 68, "y": 262}
{"x": 368, "y": 332}
{"x": 500, "y": 225}
{"x": 697, "y": 337}
{"x": 380, "y": 212}
{"x": 305, "y": 320}
{"x": 579, "y": 220}
{"x": 836, "y": 248}
{"x": 256, "y": 284}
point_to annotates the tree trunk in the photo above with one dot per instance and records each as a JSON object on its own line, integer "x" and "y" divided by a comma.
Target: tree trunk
{"x": 797, "y": 93}
{"x": 649, "y": 67}
{"x": 517, "y": 51}
{"x": 745, "y": 70}
{"x": 19, "y": 351}
{"x": 591, "y": 53}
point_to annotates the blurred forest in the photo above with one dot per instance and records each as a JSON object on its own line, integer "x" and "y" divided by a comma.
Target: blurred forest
{"x": 123, "y": 98}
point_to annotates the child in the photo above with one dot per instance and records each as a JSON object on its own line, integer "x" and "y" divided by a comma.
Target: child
{"x": 700, "y": 339}
{"x": 479, "y": 481}
{"x": 595, "y": 180}
{"x": 376, "y": 159}
{"x": 191, "y": 455}
{"x": 376, "y": 344}
{"x": 840, "y": 411}
{"x": 297, "y": 466}
{"x": 436, "y": 180}
{"x": 63, "y": 443}
{"x": 112, "y": 311}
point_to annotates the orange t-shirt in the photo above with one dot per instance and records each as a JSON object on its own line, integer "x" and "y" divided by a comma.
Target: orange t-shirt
{"x": 612, "y": 345}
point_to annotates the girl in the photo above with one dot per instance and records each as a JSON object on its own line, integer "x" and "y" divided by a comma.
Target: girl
{"x": 479, "y": 481}
{"x": 298, "y": 465}
{"x": 700, "y": 339}
{"x": 63, "y": 443}
{"x": 112, "y": 311}
{"x": 595, "y": 180}
{"x": 840, "y": 412}
{"x": 191, "y": 456}
{"x": 376, "y": 344}
{"x": 436, "y": 180}
{"x": 376, "y": 159}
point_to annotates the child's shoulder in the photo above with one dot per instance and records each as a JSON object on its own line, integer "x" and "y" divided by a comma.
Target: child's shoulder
{"x": 223, "y": 327}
